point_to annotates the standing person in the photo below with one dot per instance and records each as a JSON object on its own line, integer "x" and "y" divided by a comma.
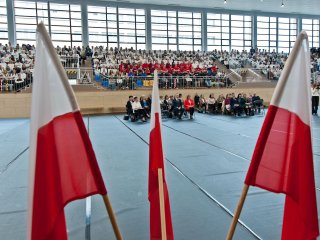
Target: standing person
{"x": 189, "y": 106}
{"x": 315, "y": 92}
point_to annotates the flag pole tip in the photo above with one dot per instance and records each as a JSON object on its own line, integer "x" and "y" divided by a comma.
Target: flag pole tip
{"x": 40, "y": 27}
{"x": 303, "y": 34}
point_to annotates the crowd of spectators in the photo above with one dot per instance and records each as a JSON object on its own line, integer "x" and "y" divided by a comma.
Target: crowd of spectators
{"x": 16, "y": 66}
{"x": 265, "y": 62}
{"x": 17, "y": 63}
{"x": 129, "y": 63}
{"x": 176, "y": 106}
{"x": 177, "y": 69}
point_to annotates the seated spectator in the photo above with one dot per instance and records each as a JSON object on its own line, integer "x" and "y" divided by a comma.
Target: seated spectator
{"x": 248, "y": 105}
{"x": 189, "y": 106}
{"x": 211, "y": 103}
{"x": 202, "y": 105}
{"x": 145, "y": 105}
{"x": 169, "y": 101}
{"x": 257, "y": 102}
{"x": 138, "y": 110}
{"x": 234, "y": 105}
{"x": 226, "y": 105}
{"x": 129, "y": 106}
{"x": 219, "y": 103}
{"x": 196, "y": 100}
{"x": 242, "y": 105}
{"x": 178, "y": 107}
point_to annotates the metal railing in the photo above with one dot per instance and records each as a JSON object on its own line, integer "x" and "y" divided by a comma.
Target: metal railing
{"x": 13, "y": 84}
{"x": 165, "y": 82}
{"x": 70, "y": 62}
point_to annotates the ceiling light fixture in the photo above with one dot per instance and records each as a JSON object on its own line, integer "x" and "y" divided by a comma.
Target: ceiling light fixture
{"x": 225, "y": 2}
{"x": 282, "y": 4}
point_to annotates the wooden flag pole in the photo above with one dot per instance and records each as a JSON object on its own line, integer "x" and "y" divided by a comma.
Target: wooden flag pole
{"x": 162, "y": 208}
{"x": 113, "y": 220}
{"x": 236, "y": 216}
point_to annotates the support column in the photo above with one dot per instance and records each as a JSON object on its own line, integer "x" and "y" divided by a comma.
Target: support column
{"x": 84, "y": 23}
{"x": 148, "y": 29}
{"x": 11, "y": 23}
{"x": 299, "y": 26}
{"x": 204, "y": 35}
{"x": 254, "y": 31}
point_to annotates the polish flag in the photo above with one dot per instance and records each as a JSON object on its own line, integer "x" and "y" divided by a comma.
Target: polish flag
{"x": 156, "y": 161}
{"x": 282, "y": 161}
{"x": 63, "y": 166}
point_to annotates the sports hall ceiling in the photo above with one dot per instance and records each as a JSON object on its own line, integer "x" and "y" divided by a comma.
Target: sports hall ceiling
{"x": 310, "y": 7}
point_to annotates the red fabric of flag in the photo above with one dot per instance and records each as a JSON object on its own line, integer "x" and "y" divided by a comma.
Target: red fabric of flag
{"x": 66, "y": 170}
{"x": 63, "y": 166}
{"x": 282, "y": 161}
{"x": 156, "y": 162}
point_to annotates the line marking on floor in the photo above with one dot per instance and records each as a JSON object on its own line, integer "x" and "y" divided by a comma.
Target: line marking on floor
{"x": 5, "y": 168}
{"x": 196, "y": 185}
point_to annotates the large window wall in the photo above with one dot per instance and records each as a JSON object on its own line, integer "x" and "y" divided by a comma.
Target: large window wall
{"x": 241, "y": 32}
{"x": 27, "y": 16}
{"x": 267, "y": 33}
{"x": 218, "y": 31}
{"x": 176, "y": 30}
{"x": 3, "y": 22}
{"x": 287, "y": 33}
{"x": 117, "y": 27}
{"x": 110, "y": 25}
{"x": 312, "y": 28}
{"x": 132, "y": 28}
{"x": 65, "y": 25}
{"x": 276, "y": 33}
{"x": 64, "y": 21}
{"x": 189, "y": 31}
{"x": 164, "y": 29}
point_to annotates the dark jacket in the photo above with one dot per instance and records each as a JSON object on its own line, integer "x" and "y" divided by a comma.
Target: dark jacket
{"x": 176, "y": 103}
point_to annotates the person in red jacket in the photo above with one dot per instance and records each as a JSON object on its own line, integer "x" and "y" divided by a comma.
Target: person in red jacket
{"x": 189, "y": 106}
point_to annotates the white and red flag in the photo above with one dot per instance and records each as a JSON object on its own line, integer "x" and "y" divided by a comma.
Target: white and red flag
{"x": 282, "y": 161}
{"x": 156, "y": 164}
{"x": 63, "y": 166}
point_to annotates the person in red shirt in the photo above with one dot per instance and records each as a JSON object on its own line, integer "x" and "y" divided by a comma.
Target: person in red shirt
{"x": 184, "y": 65}
{"x": 156, "y": 65}
{"x": 145, "y": 66}
{"x": 162, "y": 65}
{"x": 189, "y": 106}
{"x": 176, "y": 68}
{"x": 189, "y": 66}
{"x": 214, "y": 69}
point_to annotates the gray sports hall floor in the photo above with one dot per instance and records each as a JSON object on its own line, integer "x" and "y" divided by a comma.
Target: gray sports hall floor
{"x": 206, "y": 162}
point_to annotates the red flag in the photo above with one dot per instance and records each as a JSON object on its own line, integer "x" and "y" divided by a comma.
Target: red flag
{"x": 156, "y": 161}
{"x": 282, "y": 161}
{"x": 63, "y": 166}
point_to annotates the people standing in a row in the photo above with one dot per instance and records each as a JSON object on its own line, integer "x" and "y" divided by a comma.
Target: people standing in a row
{"x": 315, "y": 93}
